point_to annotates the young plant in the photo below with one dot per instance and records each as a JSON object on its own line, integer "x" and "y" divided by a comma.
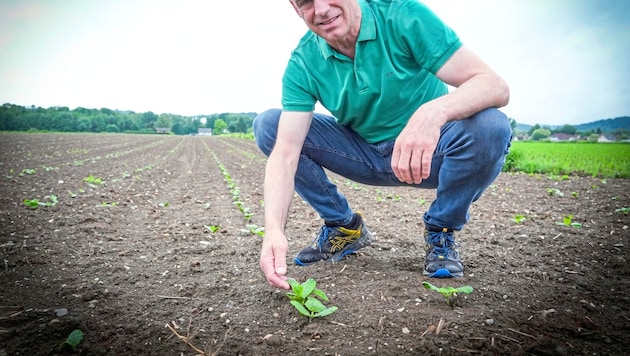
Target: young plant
{"x": 555, "y": 191}
{"x": 254, "y": 230}
{"x": 306, "y": 299}
{"x": 28, "y": 171}
{"x": 624, "y": 210}
{"x": 164, "y": 204}
{"x": 93, "y": 181}
{"x": 212, "y": 228}
{"x": 35, "y": 203}
{"x": 449, "y": 293}
{"x": 567, "y": 220}
{"x": 518, "y": 218}
{"x": 73, "y": 339}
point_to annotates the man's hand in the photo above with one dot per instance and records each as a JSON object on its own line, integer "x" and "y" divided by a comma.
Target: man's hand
{"x": 414, "y": 147}
{"x": 273, "y": 257}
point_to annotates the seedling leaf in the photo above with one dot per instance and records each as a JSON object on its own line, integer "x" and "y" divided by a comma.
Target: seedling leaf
{"x": 300, "y": 307}
{"x": 321, "y": 295}
{"x": 31, "y": 203}
{"x": 314, "y": 305}
{"x": 464, "y": 289}
{"x": 325, "y": 312}
{"x": 308, "y": 287}
{"x": 73, "y": 339}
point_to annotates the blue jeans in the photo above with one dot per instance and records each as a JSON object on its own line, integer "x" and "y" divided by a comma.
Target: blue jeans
{"x": 469, "y": 156}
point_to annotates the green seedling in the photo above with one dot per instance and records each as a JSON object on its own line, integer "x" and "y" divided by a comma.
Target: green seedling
{"x": 308, "y": 300}
{"x": 624, "y": 210}
{"x": 164, "y": 205}
{"x": 108, "y": 205}
{"x": 73, "y": 339}
{"x": 255, "y": 230}
{"x": 94, "y": 181}
{"x": 212, "y": 228}
{"x": 555, "y": 191}
{"x": 449, "y": 293}
{"x": 519, "y": 218}
{"x": 35, "y": 203}
{"x": 25, "y": 171}
{"x": 575, "y": 194}
{"x": 567, "y": 220}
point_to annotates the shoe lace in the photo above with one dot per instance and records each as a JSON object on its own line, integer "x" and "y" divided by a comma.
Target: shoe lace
{"x": 322, "y": 237}
{"x": 442, "y": 242}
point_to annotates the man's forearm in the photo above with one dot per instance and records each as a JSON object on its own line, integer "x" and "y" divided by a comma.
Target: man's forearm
{"x": 278, "y": 192}
{"x": 478, "y": 93}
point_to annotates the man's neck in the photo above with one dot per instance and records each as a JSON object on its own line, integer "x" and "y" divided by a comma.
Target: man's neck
{"x": 347, "y": 44}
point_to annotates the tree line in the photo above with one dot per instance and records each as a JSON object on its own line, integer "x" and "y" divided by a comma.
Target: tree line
{"x": 538, "y": 132}
{"x": 62, "y": 119}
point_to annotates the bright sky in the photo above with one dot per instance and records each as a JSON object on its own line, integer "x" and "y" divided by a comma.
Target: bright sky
{"x": 566, "y": 60}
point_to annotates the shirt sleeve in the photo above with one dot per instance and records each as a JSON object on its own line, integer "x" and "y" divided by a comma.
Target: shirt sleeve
{"x": 296, "y": 95}
{"x": 429, "y": 40}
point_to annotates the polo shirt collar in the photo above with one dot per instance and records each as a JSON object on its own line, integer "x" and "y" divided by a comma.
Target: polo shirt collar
{"x": 367, "y": 32}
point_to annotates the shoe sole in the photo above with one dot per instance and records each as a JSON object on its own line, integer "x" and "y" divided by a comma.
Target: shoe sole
{"x": 443, "y": 273}
{"x": 362, "y": 242}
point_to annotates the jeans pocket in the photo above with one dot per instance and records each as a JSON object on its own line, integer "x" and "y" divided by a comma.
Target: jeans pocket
{"x": 384, "y": 148}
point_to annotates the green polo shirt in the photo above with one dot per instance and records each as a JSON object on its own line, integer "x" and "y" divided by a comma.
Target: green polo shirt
{"x": 401, "y": 45}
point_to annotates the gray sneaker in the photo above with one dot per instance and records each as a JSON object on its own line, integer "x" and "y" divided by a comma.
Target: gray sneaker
{"x": 333, "y": 244}
{"x": 442, "y": 259}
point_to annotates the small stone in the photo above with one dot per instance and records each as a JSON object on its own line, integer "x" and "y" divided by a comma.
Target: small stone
{"x": 405, "y": 331}
{"x": 272, "y": 340}
{"x": 61, "y": 312}
{"x": 490, "y": 321}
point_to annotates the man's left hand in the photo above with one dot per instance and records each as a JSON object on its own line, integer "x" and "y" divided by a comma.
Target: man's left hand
{"x": 414, "y": 148}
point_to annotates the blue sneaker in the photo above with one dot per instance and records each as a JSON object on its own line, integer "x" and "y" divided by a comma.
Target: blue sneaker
{"x": 332, "y": 244}
{"x": 442, "y": 260}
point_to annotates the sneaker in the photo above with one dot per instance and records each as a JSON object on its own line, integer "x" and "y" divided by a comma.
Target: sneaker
{"x": 333, "y": 244}
{"x": 442, "y": 260}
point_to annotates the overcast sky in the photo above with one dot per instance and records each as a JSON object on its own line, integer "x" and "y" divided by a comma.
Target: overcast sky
{"x": 566, "y": 60}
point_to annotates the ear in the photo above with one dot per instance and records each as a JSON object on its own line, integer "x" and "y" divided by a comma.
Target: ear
{"x": 297, "y": 11}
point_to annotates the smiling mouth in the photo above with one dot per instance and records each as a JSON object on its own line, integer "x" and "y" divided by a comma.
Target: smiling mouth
{"x": 328, "y": 22}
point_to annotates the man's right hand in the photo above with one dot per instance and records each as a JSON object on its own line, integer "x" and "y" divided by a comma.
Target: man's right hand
{"x": 273, "y": 258}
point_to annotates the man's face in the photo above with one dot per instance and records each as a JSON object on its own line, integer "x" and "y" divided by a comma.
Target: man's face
{"x": 332, "y": 20}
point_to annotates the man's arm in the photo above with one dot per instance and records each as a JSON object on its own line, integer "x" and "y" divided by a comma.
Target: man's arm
{"x": 478, "y": 88}
{"x": 278, "y": 193}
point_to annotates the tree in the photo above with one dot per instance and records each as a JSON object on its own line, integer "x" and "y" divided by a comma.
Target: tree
{"x": 540, "y": 134}
{"x": 148, "y": 120}
{"x": 164, "y": 120}
{"x": 567, "y": 129}
{"x": 533, "y": 128}
{"x": 513, "y": 124}
{"x": 219, "y": 126}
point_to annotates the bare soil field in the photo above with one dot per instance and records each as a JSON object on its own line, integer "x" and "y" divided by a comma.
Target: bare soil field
{"x": 129, "y": 255}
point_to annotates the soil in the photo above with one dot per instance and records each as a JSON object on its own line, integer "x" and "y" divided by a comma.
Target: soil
{"x": 133, "y": 262}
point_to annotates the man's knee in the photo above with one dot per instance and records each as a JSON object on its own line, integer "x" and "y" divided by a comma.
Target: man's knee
{"x": 491, "y": 129}
{"x": 494, "y": 125}
{"x": 265, "y": 127}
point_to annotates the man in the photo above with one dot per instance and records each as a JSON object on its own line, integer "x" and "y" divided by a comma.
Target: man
{"x": 381, "y": 67}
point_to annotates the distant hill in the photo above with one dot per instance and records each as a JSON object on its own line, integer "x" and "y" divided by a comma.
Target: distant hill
{"x": 605, "y": 125}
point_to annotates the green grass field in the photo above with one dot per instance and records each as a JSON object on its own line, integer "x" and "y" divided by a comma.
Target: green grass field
{"x": 605, "y": 160}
